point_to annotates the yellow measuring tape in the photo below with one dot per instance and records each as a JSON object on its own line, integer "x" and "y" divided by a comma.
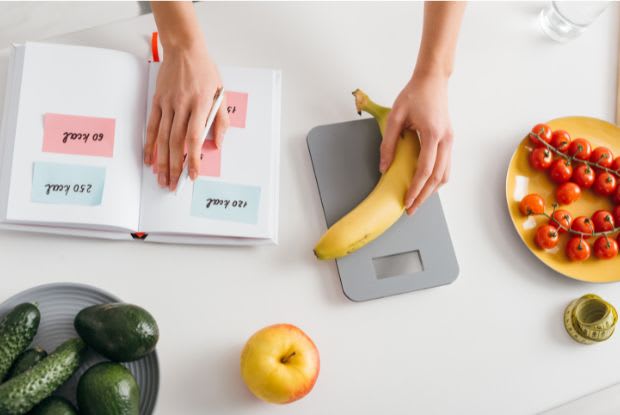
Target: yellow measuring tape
{"x": 590, "y": 319}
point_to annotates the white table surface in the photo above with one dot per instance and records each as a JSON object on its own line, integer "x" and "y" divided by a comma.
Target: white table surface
{"x": 22, "y": 21}
{"x": 491, "y": 343}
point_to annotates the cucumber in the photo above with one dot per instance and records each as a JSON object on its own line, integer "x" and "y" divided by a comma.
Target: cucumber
{"x": 54, "y": 405}
{"x": 17, "y": 330}
{"x": 121, "y": 332}
{"x": 23, "y": 392}
{"x": 25, "y": 361}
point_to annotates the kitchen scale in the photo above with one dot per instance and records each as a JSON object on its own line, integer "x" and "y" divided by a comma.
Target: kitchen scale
{"x": 415, "y": 253}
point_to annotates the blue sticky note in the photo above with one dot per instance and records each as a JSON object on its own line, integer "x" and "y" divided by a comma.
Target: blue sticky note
{"x": 67, "y": 184}
{"x": 225, "y": 201}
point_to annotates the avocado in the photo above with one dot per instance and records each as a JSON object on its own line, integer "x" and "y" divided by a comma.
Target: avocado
{"x": 54, "y": 405}
{"x": 25, "y": 361}
{"x": 121, "y": 332}
{"x": 108, "y": 389}
{"x": 17, "y": 330}
{"x": 21, "y": 393}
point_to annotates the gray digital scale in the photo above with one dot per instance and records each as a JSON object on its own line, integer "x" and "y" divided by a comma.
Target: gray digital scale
{"x": 414, "y": 254}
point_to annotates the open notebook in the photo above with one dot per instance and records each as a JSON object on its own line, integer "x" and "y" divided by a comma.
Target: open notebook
{"x": 72, "y": 136}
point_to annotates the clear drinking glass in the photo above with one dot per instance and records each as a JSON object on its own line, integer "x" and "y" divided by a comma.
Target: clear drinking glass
{"x": 564, "y": 20}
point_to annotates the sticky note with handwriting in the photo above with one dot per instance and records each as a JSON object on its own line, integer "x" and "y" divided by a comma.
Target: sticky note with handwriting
{"x": 67, "y": 184}
{"x": 225, "y": 201}
{"x": 77, "y": 134}
{"x": 210, "y": 159}
{"x": 237, "y": 107}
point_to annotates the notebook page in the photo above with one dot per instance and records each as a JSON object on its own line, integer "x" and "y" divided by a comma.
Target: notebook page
{"x": 7, "y": 128}
{"x": 235, "y": 194}
{"x": 276, "y": 116}
{"x": 77, "y": 145}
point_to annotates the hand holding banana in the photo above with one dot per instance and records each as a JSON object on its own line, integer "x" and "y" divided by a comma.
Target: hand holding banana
{"x": 422, "y": 106}
{"x": 385, "y": 204}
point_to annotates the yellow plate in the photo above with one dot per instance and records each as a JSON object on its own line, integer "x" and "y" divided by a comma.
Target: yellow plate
{"x": 521, "y": 180}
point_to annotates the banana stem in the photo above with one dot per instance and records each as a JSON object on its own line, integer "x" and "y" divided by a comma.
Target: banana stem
{"x": 363, "y": 103}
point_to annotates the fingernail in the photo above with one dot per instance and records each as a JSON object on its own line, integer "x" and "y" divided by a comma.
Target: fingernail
{"x": 193, "y": 174}
{"x": 161, "y": 178}
{"x": 411, "y": 211}
{"x": 173, "y": 184}
{"x": 382, "y": 166}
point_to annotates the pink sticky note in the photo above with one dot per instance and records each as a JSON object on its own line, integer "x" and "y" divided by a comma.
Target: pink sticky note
{"x": 210, "y": 159}
{"x": 76, "y": 134}
{"x": 237, "y": 106}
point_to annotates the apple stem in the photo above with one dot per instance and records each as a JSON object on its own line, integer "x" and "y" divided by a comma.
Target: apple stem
{"x": 285, "y": 359}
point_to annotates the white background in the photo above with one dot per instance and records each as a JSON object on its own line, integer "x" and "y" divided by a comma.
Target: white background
{"x": 491, "y": 343}
{"x": 22, "y": 21}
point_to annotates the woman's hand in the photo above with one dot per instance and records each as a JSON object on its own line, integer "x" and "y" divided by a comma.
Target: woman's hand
{"x": 422, "y": 106}
{"x": 187, "y": 82}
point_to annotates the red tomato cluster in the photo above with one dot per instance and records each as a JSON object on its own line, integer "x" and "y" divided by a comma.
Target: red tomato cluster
{"x": 580, "y": 229}
{"x": 577, "y": 167}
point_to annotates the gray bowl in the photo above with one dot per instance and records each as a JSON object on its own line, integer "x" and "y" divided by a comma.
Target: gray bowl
{"x": 59, "y": 303}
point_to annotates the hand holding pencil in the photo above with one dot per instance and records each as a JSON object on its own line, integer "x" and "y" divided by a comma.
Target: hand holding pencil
{"x": 186, "y": 86}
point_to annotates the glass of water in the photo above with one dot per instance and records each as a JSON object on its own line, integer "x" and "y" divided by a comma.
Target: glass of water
{"x": 564, "y": 20}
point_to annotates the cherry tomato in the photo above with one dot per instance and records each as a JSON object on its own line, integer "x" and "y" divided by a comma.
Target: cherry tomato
{"x": 543, "y": 132}
{"x": 605, "y": 184}
{"x": 562, "y": 217}
{"x": 616, "y": 196}
{"x": 532, "y": 204}
{"x": 547, "y": 237}
{"x": 605, "y": 248}
{"x": 580, "y": 148}
{"x": 577, "y": 249}
{"x": 560, "y": 139}
{"x": 615, "y": 165}
{"x": 541, "y": 158}
{"x": 602, "y": 156}
{"x": 616, "y": 214}
{"x": 561, "y": 171}
{"x": 603, "y": 221}
{"x": 567, "y": 193}
{"x": 584, "y": 225}
{"x": 584, "y": 176}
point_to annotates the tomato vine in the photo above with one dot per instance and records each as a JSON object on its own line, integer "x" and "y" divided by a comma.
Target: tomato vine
{"x": 572, "y": 158}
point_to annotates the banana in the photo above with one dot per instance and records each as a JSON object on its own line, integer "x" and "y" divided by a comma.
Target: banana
{"x": 385, "y": 204}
